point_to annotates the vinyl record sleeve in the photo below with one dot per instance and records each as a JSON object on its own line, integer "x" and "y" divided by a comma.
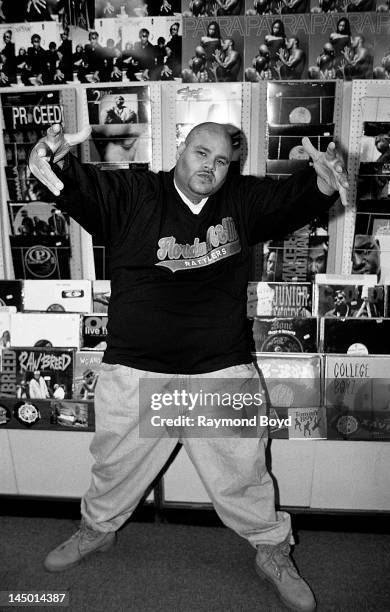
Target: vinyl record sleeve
{"x": 357, "y": 383}
{"x": 57, "y": 295}
{"x": 94, "y": 332}
{"x": 344, "y": 424}
{"x": 53, "y": 415}
{"x": 5, "y": 329}
{"x": 203, "y": 42}
{"x": 40, "y": 329}
{"x": 41, "y": 258}
{"x": 357, "y": 301}
{"x": 123, "y": 136}
{"x": 289, "y": 335}
{"x": 54, "y": 368}
{"x": 101, "y": 292}
{"x": 336, "y": 51}
{"x": 279, "y": 299}
{"x": 268, "y": 54}
{"x": 295, "y": 103}
{"x": 11, "y": 293}
{"x": 291, "y": 381}
{"x": 356, "y": 336}
{"x": 86, "y": 374}
{"x": 307, "y": 423}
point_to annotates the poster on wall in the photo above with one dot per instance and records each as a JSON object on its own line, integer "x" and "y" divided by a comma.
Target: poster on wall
{"x": 266, "y": 7}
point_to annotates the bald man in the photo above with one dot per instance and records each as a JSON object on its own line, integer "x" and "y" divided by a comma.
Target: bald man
{"x": 180, "y": 258}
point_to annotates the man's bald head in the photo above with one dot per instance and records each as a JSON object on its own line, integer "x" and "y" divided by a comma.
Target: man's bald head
{"x": 212, "y": 128}
{"x": 203, "y": 161}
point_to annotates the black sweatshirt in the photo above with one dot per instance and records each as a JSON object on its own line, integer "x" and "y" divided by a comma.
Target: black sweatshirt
{"x": 179, "y": 280}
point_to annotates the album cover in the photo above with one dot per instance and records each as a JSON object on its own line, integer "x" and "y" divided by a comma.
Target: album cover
{"x": 342, "y": 46}
{"x": 136, "y": 49}
{"x": 290, "y": 147}
{"x": 5, "y": 327}
{"x": 39, "y": 373}
{"x": 41, "y": 330}
{"x": 371, "y": 253}
{"x": 297, "y": 258}
{"x": 101, "y": 292}
{"x": 11, "y": 293}
{"x": 344, "y": 424}
{"x": 307, "y": 423}
{"x": 289, "y": 335}
{"x": 136, "y": 8}
{"x": 297, "y": 105}
{"x": 94, "y": 332}
{"x": 291, "y": 381}
{"x": 38, "y": 53}
{"x": 357, "y": 383}
{"x": 279, "y": 299}
{"x": 343, "y": 6}
{"x": 5, "y": 414}
{"x": 57, "y": 296}
{"x": 213, "y": 50}
{"x": 41, "y": 257}
{"x": 121, "y": 124}
{"x": 381, "y": 68}
{"x": 70, "y": 413}
{"x": 219, "y": 102}
{"x": 46, "y": 414}
{"x": 282, "y": 169}
{"x": 374, "y": 146}
{"x": 276, "y": 48}
{"x": 26, "y": 117}
{"x": 356, "y": 336}
{"x": 374, "y": 186}
{"x": 22, "y": 185}
{"x": 86, "y": 374}
{"x": 357, "y": 301}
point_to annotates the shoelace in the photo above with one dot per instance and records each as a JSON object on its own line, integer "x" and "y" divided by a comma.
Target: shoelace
{"x": 279, "y": 558}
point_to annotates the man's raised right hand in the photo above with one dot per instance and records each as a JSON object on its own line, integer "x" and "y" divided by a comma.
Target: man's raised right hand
{"x": 52, "y": 148}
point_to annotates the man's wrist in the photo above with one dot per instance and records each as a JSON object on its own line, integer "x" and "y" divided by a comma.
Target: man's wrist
{"x": 324, "y": 187}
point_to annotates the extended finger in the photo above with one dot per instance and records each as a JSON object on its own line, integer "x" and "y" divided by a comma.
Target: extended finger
{"x": 310, "y": 149}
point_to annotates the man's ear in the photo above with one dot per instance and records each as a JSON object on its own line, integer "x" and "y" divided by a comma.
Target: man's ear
{"x": 180, "y": 149}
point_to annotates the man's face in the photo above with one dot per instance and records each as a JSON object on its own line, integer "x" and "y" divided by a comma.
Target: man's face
{"x": 36, "y": 43}
{"x": 120, "y": 101}
{"x": 365, "y": 256}
{"x": 7, "y": 38}
{"x": 174, "y": 30}
{"x": 225, "y": 44}
{"x": 144, "y": 38}
{"x": 203, "y": 164}
{"x": 94, "y": 41}
{"x": 316, "y": 261}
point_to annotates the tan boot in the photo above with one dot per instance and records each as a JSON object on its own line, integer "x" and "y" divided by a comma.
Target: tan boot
{"x": 273, "y": 563}
{"x": 82, "y": 543}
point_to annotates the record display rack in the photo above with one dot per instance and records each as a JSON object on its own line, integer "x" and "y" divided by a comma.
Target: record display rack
{"x": 68, "y": 99}
{"x": 370, "y": 101}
